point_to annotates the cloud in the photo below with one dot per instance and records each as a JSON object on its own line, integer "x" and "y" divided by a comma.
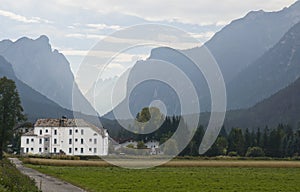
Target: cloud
{"x": 190, "y": 11}
{"x": 85, "y": 36}
{"x": 21, "y": 18}
{"x": 116, "y": 66}
{"x": 204, "y": 36}
{"x": 76, "y": 35}
{"x": 40, "y": 20}
{"x": 103, "y": 26}
{"x": 117, "y": 57}
{"x": 71, "y": 52}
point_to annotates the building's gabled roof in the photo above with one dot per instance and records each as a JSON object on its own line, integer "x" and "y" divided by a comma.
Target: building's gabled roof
{"x": 29, "y": 133}
{"x": 122, "y": 140}
{"x": 63, "y": 122}
{"x": 23, "y": 125}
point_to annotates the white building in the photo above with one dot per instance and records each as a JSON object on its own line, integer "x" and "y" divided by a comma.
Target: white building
{"x": 153, "y": 146}
{"x": 65, "y": 136}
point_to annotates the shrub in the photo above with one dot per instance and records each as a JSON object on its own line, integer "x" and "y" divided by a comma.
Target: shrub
{"x": 255, "y": 152}
{"x": 141, "y": 145}
{"x": 232, "y": 154}
{"x": 130, "y": 146}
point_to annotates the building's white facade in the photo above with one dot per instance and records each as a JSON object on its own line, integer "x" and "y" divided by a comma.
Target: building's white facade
{"x": 65, "y": 136}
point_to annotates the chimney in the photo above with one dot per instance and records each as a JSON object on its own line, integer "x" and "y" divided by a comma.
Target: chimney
{"x": 62, "y": 121}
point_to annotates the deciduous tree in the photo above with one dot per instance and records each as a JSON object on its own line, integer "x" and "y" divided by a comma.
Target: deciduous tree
{"x": 11, "y": 111}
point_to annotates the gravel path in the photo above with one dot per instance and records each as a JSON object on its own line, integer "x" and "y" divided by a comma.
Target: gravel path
{"x": 44, "y": 182}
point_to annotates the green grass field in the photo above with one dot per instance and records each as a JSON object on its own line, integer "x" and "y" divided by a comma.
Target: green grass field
{"x": 178, "y": 178}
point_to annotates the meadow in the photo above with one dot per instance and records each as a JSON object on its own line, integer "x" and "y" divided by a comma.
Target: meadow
{"x": 183, "y": 176}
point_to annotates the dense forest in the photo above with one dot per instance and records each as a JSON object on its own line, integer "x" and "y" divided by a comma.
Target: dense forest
{"x": 280, "y": 141}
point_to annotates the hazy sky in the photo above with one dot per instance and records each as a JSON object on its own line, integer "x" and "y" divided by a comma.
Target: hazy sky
{"x": 74, "y": 26}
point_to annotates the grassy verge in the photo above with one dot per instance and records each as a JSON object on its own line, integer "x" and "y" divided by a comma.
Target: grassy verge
{"x": 178, "y": 178}
{"x": 12, "y": 180}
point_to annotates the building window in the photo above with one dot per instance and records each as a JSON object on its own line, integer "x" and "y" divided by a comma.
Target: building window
{"x": 70, "y": 141}
{"x": 76, "y": 139}
{"x": 76, "y": 130}
{"x": 95, "y": 150}
{"x": 41, "y": 132}
{"x": 76, "y": 149}
{"x": 32, "y": 140}
{"x": 81, "y": 131}
{"x": 27, "y": 150}
{"x": 46, "y": 139}
{"x": 55, "y": 132}
{"x": 46, "y": 149}
{"x": 54, "y": 150}
{"x": 55, "y": 141}
{"x": 90, "y": 149}
{"x": 81, "y": 141}
{"x": 31, "y": 149}
{"x": 70, "y": 132}
{"x": 81, "y": 150}
{"x": 95, "y": 141}
{"x": 27, "y": 141}
{"x": 70, "y": 150}
{"x": 46, "y": 130}
{"x": 90, "y": 140}
{"x": 41, "y": 141}
{"x": 40, "y": 150}
{"x": 95, "y": 134}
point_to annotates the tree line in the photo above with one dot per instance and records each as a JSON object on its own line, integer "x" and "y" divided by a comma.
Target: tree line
{"x": 281, "y": 141}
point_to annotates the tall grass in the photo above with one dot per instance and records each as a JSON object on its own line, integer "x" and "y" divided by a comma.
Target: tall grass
{"x": 11, "y": 179}
{"x": 56, "y": 162}
{"x": 173, "y": 163}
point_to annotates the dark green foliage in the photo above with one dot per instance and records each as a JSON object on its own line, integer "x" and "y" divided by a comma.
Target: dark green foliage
{"x": 11, "y": 111}
{"x": 193, "y": 148}
{"x": 255, "y": 152}
{"x": 279, "y": 142}
{"x": 248, "y": 139}
{"x": 232, "y": 154}
{"x": 219, "y": 147}
{"x": 144, "y": 115}
{"x": 236, "y": 141}
{"x": 258, "y": 141}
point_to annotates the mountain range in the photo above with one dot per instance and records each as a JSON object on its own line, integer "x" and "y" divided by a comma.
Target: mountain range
{"x": 45, "y": 70}
{"x": 34, "y": 103}
{"x": 281, "y": 108}
{"x": 275, "y": 70}
{"x": 258, "y": 55}
{"x": 244, "y": 40}
{"x": 241, "y": 49}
